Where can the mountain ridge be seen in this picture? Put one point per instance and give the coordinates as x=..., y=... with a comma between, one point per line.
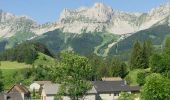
x=99, y=26
x=98, y=18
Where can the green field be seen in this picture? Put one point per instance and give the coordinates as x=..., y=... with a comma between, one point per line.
x=13, y=65
x=133, y=75
x=13, y=71
x=10, y=70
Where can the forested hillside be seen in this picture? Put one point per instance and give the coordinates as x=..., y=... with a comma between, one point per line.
x=26, y=52
x=85, y=43
x=156, y=35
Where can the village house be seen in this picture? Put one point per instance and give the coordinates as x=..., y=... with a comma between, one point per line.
x=49, y=91
x=110, y=90
x=38, y=84
x=101, y=90
x=17, y=92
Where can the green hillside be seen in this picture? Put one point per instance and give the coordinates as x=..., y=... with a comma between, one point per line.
x=45, y=60
x=85, y=43
x=26, y=52
x=13, y=71
x=156, y=34
x=19, y=37
x=13, y=65
x=10, y=72
x=88, y=43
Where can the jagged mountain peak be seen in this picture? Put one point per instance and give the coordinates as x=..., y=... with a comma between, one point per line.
x=97, y=18
x=103, y=18
x=4, y=16
x=101, y=6
x=162, y=10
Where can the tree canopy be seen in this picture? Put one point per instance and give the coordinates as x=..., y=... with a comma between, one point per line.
x=75, y=74
x=140, y=55
x=157, y=87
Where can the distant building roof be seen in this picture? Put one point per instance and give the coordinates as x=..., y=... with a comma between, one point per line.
x=111, y=79
x=112, y=86
x=17, y=88
x=51, y=89
x=43, y=82
x=135, y=88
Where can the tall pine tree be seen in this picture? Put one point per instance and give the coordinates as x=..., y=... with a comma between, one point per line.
x=144, y=60
x=140, y=55
x=136, y=55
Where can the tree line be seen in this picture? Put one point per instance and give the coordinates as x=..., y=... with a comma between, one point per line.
x=25, y=52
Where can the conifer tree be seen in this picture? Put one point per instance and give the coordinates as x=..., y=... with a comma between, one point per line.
x=144, y=60
x=136, y=55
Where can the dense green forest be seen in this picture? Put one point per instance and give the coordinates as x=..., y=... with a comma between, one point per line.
x=25, y=52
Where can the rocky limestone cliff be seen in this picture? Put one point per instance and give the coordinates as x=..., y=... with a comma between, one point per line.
x=102, y=18
x=10, y=24
x=98, y=18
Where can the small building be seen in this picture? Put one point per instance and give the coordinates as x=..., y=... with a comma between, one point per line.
x=35, y=86
x=49, y=91
x=101, y=90
x=43, y=82
x=110, y=90
x=38, y=84
x=17, y=92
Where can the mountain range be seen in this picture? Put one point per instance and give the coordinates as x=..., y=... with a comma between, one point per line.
x=98, y=29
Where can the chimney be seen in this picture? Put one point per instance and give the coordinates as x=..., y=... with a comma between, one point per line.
x=125, y=82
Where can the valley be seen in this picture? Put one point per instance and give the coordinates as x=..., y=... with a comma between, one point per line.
x=91, y=52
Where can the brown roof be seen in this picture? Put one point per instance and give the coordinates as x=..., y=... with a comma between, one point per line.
x=19, y=88
x=43, y=82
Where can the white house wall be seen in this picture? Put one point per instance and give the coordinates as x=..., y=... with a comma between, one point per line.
x=90, y=97
x=50, y=98
x=87, y=97
x=34, y=86
x=107, y=96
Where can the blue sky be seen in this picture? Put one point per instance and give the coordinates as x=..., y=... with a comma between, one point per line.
x=49, y=10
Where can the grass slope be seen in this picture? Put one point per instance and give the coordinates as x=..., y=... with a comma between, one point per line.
x=44, y=60
x=107, y=38
x=9, y=69
x=13, y=65
x=133, y=75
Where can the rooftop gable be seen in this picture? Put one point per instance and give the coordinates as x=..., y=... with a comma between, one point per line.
x=19, y=88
